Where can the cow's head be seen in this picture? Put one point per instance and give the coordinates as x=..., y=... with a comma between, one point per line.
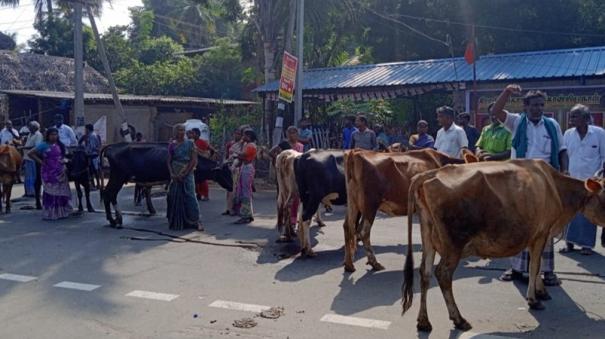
x=594, y=209
x=78, y=161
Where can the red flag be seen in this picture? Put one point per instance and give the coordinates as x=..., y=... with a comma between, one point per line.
x=469, y=54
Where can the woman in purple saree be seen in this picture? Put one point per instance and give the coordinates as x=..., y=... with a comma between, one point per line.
x=56, y=198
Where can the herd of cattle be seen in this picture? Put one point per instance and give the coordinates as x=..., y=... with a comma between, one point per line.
x=466, y=208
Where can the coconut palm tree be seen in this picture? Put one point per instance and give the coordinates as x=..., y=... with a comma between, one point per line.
x=46, y=8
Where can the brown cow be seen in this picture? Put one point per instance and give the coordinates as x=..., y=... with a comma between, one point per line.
x=10, y=167
x=491, y=210
x=379, y=181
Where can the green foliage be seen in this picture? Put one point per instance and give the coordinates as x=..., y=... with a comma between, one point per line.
x=120, y=52
x=227, y=121
x=378, y=111
x=158, y=50
x=162, y=78
x=55, y=37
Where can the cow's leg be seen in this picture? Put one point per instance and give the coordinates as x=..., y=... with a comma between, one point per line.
x=349, y=227
x=38, y=186
x=366, y=229
x=2, y=189
x=426, y=268
x=535, y=258
x=8, y=189
x=87, y=188
x=309, y=208
x=110, y=194
x=147, y=192
x=79, y=192
x=445, y=272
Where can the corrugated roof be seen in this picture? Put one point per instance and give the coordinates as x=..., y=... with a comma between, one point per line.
x=512, y=66
x=128, y=98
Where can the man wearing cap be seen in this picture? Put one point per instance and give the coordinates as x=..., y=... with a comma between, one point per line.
x=495, y=140
x=451, y=138
x=423, y=139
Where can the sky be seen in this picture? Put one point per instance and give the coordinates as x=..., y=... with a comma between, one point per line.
x=20, y=19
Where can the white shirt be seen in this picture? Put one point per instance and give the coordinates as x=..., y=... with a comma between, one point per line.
x=451, y=141
x=538, y=140
x=586, y=156
x=6, y=137
x=67, y=136
x=33, y=141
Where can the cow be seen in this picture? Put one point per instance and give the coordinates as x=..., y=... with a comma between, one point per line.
x=10, y=167
x=287, y=191
x=320, y=178
x=379, y=182
x=491, y=210
x=145, y=164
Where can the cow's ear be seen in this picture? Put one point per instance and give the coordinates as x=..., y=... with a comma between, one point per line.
x=470, y=158
x=593, y=186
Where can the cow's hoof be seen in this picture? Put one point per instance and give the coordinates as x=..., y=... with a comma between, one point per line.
x=536, y=305
x=463, y=325
x=424, y=326
x=309, y=253
x=152, y=214
x=8, y=211
x=376, y=266
x=543, y=295
x=349, y=268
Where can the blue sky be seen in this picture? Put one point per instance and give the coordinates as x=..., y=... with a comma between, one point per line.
x=20, y=20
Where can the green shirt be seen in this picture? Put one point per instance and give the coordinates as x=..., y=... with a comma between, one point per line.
x=495, y=139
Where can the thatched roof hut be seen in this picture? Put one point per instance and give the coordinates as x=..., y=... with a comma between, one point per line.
x=27, y=71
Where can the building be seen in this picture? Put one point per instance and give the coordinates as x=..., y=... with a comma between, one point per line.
x=38, y=87
x=569, y=76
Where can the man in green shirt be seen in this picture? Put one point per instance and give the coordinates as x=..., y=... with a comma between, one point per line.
x=495, y=140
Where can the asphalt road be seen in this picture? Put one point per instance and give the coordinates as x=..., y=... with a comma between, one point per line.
x=81, y=279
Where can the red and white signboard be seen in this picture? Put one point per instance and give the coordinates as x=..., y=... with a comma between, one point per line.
x=288, y=77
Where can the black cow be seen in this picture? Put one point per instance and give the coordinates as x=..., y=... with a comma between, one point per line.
x=320, y=178
x=145, y=164
x=78, y=171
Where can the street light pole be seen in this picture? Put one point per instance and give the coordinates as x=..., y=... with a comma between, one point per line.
x=79, y=65
x=298, y=106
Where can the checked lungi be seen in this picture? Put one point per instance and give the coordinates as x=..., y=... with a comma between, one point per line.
x=581, y=232
x=520, y=262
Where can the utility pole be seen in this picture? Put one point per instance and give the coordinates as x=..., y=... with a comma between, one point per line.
x=298, y=106
x=79, y=65
x=112, y=84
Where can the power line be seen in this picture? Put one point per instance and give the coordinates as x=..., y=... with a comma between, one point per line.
x=386, y=17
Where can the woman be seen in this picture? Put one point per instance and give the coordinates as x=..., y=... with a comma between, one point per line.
x=243, y=190
x=56, y=199
x=233, y=149
x=183, y=210
x=31, y=168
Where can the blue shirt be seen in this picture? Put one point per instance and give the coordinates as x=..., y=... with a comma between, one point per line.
x=347, y=133
x=306, y=133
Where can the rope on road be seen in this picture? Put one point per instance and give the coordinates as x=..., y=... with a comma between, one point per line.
x=557, y=272
x=179, y=239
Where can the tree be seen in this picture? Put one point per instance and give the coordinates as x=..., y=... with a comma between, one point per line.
x=45, y=9
x=120, y=52
x=160, y=49
x=55, y=37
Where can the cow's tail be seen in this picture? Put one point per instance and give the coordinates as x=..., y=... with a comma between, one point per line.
x=407, y=288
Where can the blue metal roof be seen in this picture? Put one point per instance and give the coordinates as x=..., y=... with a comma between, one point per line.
x=512, y=66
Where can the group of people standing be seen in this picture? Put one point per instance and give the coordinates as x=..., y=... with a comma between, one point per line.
x=45, y=159
x=184, y=192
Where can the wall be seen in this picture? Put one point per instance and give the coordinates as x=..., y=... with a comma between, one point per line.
x=141, y=117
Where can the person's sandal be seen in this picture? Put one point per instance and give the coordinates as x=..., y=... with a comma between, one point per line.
x=242, y=221
x=510, y=275
x=227, y=212
x=551, y=279
x=586, y=251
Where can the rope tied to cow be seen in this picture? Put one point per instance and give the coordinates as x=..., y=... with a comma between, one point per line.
x=179, y=239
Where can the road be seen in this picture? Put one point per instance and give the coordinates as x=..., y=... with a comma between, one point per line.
x=81, y=279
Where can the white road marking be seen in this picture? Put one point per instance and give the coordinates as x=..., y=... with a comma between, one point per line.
x=231, y=305
x=471, y=335
x=77, y=286
x=152, y=295
x=17, y=277
x=354, y=321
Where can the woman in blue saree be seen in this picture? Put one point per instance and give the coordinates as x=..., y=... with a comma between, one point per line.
x=183, y=210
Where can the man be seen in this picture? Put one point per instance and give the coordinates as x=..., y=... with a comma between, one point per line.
x=586, y=150
x=24, y=132
x=472, y=134
x=451, y=138
x=495, y=140
x=423, y=139
x=9, y=135
x=364, y=137
x=347, y=132
x=305, y=134
x=381, y=137
x=92, y=147
x=66, y=134
x=534, y=137
x=206, y=150
x=31, y=168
